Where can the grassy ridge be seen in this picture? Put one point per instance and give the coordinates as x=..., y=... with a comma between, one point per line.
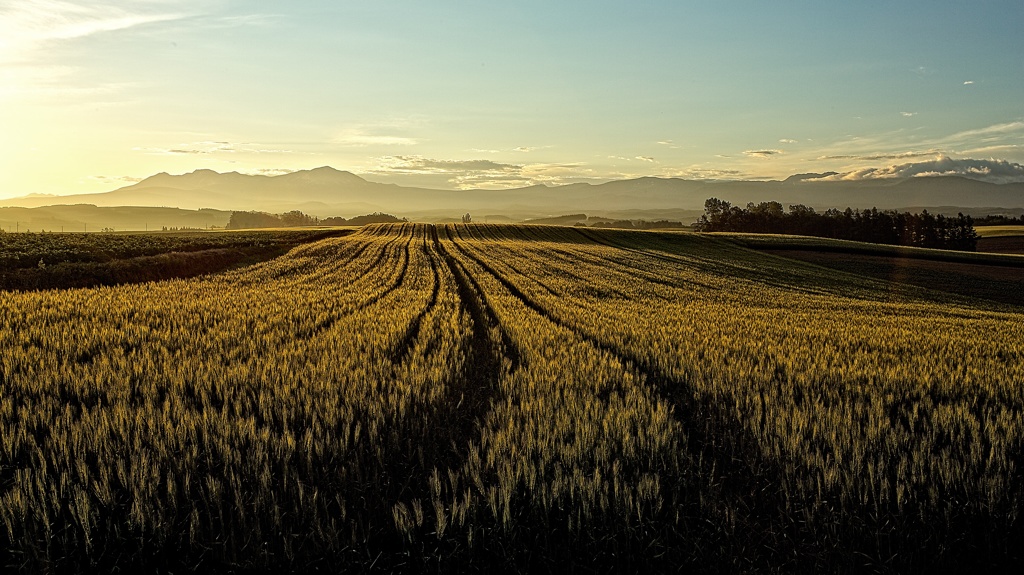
x=805, y=243
x=511, y=398
x=49, y=261
x=989, y=276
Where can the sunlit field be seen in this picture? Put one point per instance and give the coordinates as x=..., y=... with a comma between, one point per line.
x=513, y=398
x=1000, y=231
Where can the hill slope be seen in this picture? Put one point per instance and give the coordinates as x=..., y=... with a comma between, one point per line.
x=326, y=191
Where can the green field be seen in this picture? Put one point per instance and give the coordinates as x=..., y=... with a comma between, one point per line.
x=517, y=398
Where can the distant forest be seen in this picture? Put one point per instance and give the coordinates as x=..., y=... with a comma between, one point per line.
x=1000, y=220
x=295, y=218
x=881, y=227
x=638, y=224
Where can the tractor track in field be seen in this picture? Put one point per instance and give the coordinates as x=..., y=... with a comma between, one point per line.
x=469, y=396
x=401, y=352
x=474, y=301
x=580, y=237
x=327, y=272
x=395, y=283
x=595, y=239
x=327, y=323
x=570, y=257
x=702, y=420
x=528, y=301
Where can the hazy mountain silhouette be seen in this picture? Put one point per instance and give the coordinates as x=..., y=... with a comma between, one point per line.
x=327, y=192
x=90, y=218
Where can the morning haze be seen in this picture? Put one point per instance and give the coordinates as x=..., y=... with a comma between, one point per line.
x=492, y=95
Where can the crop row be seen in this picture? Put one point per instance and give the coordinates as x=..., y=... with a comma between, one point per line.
x=519, y=397
x=857, y=425
x=25, y=250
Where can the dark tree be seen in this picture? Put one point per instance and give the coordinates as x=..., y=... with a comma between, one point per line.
x=886, y=227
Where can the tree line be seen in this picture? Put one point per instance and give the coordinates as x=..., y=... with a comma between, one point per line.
x=638, y=224
x=924, y=230
x=1000, y=220
x=295, y=218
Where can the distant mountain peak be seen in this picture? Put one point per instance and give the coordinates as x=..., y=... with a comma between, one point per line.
x=322, y=176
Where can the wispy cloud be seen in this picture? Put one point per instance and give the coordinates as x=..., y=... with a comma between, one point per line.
x=989, y=131
x=669, y=144
x=249, y=20
x=27, y=25
x=908, y=114
x=115, y=179
x=647, y=159
x=29, y=29
x=705, y=173
x=997, y=149
x=488, y=174
x=968, y=82
x=788, y=141
x=762, y=153
x=877, y=157
x=418, y=164
x=462, y=174
x=360, y=138
x=565, y=173
x=528, y=149
x=271, y=171
x=904, y=144
x=386, y=132
x=214, y=147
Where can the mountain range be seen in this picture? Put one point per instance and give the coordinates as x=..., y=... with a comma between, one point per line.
x=329, y=192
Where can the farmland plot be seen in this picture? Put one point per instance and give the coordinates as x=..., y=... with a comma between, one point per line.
x=520, y=397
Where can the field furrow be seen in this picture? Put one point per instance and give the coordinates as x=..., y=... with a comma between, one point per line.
x=511, y=398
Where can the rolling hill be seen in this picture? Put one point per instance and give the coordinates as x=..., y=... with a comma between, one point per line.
x=326, y=192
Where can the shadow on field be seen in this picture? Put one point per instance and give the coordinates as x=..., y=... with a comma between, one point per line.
x=1003, y=284
x=148, y=268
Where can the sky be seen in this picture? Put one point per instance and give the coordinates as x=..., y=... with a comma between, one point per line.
x=95, y=95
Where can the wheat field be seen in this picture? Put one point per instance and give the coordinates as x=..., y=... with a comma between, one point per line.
x=511, y=398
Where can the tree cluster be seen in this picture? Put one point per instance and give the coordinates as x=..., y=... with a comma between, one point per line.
x=882, y=227
x=374, y=218
x=1000, y=220
x=295, y=218
x=638, y=224
x=242, y=220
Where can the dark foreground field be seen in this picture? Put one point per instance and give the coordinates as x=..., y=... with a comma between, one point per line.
x=512, y=399
x=1002, y=245
x=34, y=261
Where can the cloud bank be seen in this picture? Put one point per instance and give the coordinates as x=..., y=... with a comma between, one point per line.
x=993, y=171
x=486, y=174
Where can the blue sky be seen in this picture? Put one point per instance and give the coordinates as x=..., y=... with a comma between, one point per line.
x=95, y=95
